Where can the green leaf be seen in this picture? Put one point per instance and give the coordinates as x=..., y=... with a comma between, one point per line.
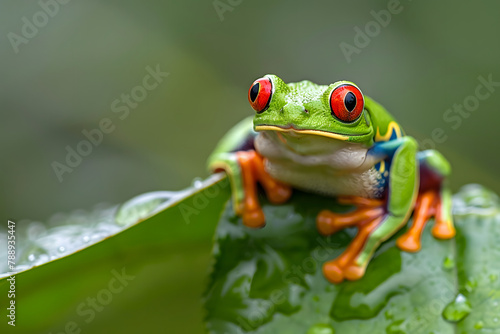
x=270, y=280
x=263, y=281
x=117, y=268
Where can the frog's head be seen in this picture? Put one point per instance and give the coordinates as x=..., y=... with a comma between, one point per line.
x=335, y=111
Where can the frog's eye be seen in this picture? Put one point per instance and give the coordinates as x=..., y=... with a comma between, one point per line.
x=346, y=103
x=259, y=94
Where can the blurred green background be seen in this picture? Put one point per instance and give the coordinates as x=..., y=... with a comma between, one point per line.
x=65, y=78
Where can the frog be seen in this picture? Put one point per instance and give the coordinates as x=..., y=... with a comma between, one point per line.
x=334, y=141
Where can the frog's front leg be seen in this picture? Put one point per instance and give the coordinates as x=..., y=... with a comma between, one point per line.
x=252, y=172
x=376, y=220
x=245, y=168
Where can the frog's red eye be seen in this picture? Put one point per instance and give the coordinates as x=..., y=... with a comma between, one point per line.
x=346, y=103
x=259, y=94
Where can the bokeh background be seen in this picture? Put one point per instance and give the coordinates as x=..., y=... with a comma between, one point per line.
x=65, y=78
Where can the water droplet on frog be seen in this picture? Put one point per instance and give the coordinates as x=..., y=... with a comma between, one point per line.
x=479, y=325
x=197, y=182
x=457, y=309
x=61, y=249
x=448, y=263
x=31, y=257
x=321, y=329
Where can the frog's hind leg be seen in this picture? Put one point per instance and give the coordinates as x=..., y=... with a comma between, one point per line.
x=344, y=265
x=389, y=218
x=367, y=215
x=434, y=200
x=367, y=209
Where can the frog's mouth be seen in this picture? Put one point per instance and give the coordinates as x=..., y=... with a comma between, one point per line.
x=291, y=129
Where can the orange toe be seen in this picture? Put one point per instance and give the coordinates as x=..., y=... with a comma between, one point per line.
x=409, y=243
x=443, y=231
x=333, y=272
x=354, y=272
x=279, y=194
x=254, y=218
x=325, y=222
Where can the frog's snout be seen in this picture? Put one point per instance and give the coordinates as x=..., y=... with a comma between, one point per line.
x=295, y=112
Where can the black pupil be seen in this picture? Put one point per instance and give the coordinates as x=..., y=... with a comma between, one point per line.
x=254, y=91
x=350, y=101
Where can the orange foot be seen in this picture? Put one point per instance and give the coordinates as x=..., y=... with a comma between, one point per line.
x=253, y=171
x=366, y=217
x=428, y=204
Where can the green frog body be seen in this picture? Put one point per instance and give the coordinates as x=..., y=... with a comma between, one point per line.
x=335, y=141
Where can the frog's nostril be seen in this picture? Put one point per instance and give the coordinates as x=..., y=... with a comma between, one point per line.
x=306, y=111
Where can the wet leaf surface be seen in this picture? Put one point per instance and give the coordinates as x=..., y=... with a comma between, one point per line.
x=269, y=280
x=158, y=243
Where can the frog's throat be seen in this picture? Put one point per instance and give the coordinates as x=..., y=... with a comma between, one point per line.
x=304, y=131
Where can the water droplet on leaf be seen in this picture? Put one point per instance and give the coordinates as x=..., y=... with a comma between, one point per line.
x=42, y=259
x=197, y=182
x=35, y=230
x=321, y=329
x=448, y=263
x=457, y=309
x=471, y=284
x=142, y=206
x=395, y=328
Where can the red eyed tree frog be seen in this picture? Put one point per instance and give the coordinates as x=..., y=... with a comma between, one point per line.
x=335, y=141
